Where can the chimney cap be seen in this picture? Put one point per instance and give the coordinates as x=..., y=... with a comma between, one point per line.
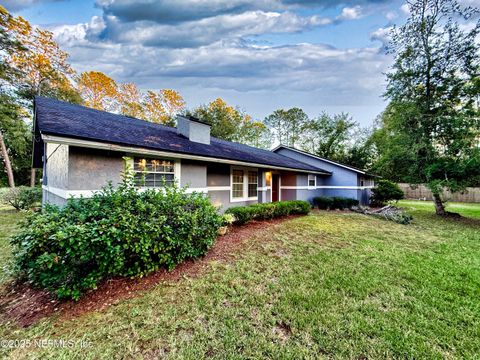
x=194, y=119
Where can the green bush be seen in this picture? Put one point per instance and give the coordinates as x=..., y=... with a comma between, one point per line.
x=117, y=232
x=22, y=197
x=265, y=211
x=323, y=202
x=385, y=191
x=336, y=202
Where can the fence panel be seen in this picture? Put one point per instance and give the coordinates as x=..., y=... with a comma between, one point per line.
x=421, y=192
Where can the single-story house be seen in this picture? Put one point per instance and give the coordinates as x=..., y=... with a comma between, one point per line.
x=81, y=150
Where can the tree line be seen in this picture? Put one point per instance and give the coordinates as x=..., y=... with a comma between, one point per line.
x=429, y=132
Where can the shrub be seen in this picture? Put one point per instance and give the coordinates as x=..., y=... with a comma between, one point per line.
x=386, y=191
x=264, y=211
x=323, y=202
x=22, y=197
x=336, y=202
x=117, y=232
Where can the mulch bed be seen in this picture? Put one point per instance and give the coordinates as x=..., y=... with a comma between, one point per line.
x=25, y=305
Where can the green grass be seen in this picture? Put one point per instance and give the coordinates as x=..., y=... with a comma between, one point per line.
x=328, y=285
x=9, y=219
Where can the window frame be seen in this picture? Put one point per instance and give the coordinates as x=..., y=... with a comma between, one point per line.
x=309, y=177
x=246, y=183
x=176, y=170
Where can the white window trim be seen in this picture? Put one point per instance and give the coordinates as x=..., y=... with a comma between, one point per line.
x=309, y=187
x=177, y=169
x=245, y=184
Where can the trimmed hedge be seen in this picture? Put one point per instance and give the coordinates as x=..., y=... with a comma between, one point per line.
x=336, y=202
x=264, y=211
x=117, y=232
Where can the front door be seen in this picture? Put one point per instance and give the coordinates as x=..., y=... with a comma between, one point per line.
x=275, y=187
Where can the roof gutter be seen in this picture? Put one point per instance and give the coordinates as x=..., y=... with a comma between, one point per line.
x=136, y=150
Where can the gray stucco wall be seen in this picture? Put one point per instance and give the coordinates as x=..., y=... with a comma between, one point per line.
x=56, y=174
x=90, y=169
x=48, y=197
x=219, y=175
x=193, y=174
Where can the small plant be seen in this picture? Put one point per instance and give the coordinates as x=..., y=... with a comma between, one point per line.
x=22, y=197
x=265, y=211
x=228, y=219
x=385, y=191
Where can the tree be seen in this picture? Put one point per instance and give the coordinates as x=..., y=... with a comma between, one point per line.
x=431, y=127
x=98, y=90
x=287, y=125
x=8, y=74
x=173, y=104
x=44, y=66
x=226, y=121
x=257, y=134
x=130, y=101
x=162, y=107
x=15, y=140
x=328, y=136
x=40, y=67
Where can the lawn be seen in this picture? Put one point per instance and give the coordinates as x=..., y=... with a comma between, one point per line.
x=327, y=285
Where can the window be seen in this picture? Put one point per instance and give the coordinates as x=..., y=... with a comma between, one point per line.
x=153, y=173
x=312, y=181
x=244, y=184
x=237, y=184
x=252, y=184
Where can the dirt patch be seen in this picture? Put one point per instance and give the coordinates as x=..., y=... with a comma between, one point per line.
x=25, y=305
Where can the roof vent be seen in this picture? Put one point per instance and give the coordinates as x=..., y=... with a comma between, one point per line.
x=193, y=129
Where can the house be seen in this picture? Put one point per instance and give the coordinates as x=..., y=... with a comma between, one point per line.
x=345, y=181
x=80, y=150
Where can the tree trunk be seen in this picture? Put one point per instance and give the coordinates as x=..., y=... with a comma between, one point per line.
x=6, y=160
x=439, y=207
x=32, y=177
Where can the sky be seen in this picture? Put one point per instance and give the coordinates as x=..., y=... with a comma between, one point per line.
x=260, y=55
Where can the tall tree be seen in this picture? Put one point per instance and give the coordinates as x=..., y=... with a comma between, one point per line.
x=173, y=104
x=328, y=136
x=287, y=125
x=9, y=46
x=431, y=125
x=98, y=90
x=257, y=134
x=226, y=120
x=130, y=101
x=42, y=68
x=44, y=65
x=15, y=141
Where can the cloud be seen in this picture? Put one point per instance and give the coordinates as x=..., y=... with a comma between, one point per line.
x=391, y=15
x=174, y=11
x=405, y=9
x=216, y=47
x=350, y=13
x=15, y=5
x=382, y=35
x=205, y=31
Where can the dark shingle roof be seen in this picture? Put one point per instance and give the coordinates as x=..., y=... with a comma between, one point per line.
x=55, y=117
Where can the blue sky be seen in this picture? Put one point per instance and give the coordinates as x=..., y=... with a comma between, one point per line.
x=259, y=55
